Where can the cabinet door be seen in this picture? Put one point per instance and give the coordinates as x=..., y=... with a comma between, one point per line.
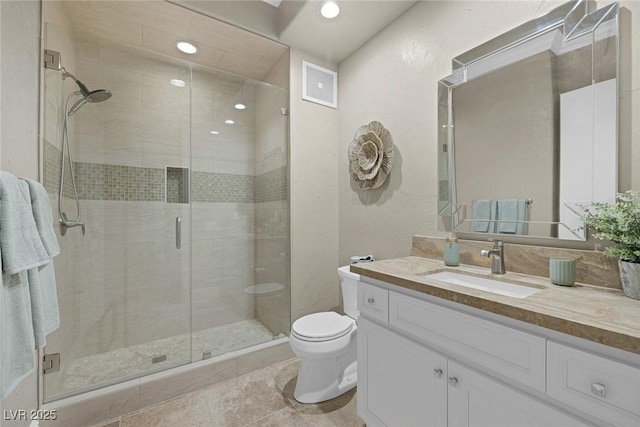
x=476, y=400
x=400, y=383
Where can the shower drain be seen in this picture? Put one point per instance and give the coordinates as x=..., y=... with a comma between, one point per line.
x=159, y=359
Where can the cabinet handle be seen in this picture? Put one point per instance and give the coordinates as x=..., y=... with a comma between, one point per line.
x=599, y=389
x=453, y=381
x=437, y=373
x=370, y=300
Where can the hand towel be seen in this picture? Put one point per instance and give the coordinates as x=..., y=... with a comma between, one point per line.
x=523, y=208
x=20, y=242
x=42, y=281
x=16, y=349
x=483, y=210
x=43, y=216
x=513, y=211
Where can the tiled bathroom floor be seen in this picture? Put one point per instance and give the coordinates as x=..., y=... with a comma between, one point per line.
x=261, y=398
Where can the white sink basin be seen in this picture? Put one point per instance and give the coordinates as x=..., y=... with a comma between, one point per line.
x=483, y=284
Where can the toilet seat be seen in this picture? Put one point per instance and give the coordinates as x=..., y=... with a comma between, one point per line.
x=324, y=326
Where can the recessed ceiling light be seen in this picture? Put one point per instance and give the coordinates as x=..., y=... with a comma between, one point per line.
x=229, y=122
x=239, y=106
x=214, y=132
x=330, y=9
x=186, y=47
x=177, y=83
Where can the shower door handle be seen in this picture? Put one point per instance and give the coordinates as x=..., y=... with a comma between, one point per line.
x=178, y=232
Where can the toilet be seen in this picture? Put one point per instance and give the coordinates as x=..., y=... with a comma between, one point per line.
x=326, y=345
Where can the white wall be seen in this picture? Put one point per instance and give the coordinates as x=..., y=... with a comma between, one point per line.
x=20, y=78
x=629, y=132
x=19, y=83
x=314, y=202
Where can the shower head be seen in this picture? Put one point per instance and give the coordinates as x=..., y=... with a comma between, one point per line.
x=98, y=95
x=93, y=96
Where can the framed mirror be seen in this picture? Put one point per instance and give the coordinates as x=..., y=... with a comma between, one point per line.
x=528, y=127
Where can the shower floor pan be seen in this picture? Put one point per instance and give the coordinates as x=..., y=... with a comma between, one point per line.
x=87, y=372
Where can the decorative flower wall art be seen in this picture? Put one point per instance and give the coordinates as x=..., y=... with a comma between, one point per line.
x=371, y=155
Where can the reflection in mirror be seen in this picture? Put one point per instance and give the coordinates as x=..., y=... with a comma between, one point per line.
x=528, y=127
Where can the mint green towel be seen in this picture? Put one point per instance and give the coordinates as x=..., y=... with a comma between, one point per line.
x=16, y=349
x=20, y=241
x=27, y=287
x=515, y=211
x=43, y=216
x=483, y=210
x=42, y=280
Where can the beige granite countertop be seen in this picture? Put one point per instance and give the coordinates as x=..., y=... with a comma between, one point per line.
x=594, y=313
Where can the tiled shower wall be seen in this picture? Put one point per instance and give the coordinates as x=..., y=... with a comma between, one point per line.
x=129, y=283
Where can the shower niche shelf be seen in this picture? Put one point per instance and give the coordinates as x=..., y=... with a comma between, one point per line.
x=177, y=187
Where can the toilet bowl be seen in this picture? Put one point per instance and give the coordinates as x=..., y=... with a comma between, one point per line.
x=327, y=347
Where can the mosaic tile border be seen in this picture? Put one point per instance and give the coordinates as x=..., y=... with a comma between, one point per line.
x=129, y=183
x=52, y=159
x=222, y=188
x=115, y=182
x=271, y=186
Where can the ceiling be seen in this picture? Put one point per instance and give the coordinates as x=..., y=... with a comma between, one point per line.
x=157, y=25
x=298, y=23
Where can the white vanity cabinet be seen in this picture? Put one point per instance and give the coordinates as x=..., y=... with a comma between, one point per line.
x=597, y=385
x=478, y=400
x=400, y=383
x=403, y=381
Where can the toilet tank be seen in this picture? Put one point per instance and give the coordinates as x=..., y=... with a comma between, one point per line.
x=349, y=285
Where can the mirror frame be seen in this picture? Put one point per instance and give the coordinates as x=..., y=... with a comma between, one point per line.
x=574, y=20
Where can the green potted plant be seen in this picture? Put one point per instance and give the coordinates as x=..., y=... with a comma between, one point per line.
x=619, y=222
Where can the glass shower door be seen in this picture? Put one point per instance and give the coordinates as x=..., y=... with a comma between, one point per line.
x=124, y=286
x=240, y=205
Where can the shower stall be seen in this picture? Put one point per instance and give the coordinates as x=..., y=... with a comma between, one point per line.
x=182, y=196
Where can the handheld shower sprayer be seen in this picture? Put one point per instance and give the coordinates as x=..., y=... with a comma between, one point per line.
x=86, y=95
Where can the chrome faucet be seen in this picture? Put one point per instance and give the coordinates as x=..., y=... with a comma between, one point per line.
x=497, y=263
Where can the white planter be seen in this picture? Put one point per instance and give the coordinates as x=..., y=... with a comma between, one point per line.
x=630, y=277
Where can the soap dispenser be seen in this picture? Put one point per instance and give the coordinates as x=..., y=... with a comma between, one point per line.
x=451, y=252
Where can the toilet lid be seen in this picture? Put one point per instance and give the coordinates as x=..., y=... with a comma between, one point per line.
x=322, y=326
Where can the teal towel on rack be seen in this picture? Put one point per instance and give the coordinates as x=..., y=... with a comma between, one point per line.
x=483, y=210
x=514, y=211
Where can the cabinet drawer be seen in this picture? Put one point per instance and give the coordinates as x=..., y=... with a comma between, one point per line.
x=518, y=355
x=373, y=302
x=604, y=388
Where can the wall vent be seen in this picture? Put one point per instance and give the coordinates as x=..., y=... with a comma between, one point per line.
x=319, y=85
